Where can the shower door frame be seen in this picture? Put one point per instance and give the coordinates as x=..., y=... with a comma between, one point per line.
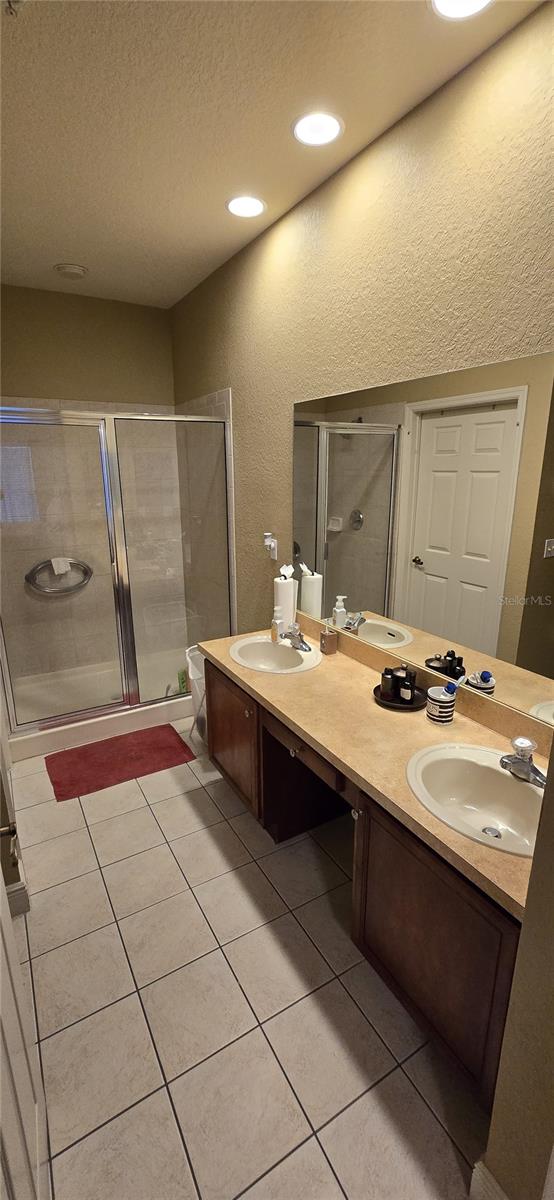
x=325, y=428
x=105, y=423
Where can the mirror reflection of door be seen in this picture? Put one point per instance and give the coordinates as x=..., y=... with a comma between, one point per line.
x=462, y=521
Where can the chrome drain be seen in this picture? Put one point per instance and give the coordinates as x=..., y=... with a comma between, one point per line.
x=491, y=831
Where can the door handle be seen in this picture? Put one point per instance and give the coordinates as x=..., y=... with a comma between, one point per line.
x=418, y=561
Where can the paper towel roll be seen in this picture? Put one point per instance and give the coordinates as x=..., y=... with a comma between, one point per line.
x=285, y=592
x=311, y=594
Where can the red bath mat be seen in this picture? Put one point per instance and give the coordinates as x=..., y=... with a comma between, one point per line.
x=115, y=760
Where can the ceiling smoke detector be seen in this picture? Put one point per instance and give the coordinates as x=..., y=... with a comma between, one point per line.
x=71, y=270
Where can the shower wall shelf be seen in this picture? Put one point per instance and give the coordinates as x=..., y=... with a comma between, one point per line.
x=33, y=577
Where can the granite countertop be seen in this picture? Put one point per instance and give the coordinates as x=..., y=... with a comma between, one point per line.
x=332, y=709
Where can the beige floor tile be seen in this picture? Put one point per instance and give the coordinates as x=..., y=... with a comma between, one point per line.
x=209, y=852
x=179, y=815
x=238, y=1116
x=301, y=872
x=32, y=789
x=59, y=860
x=337, y=838
x=388, y=1016
x=28, y=766
x=254, y=836
x=328, y=1050
x=172, y=782
x=97, y=1068
x=46, y=821
x=229, y=804
x=205, y=770
x=388, y=1144
x=195, y=1011
x=67, y=911
x=165, y=936
x=120, y=837
x=137, y=1156
x=28, y=1002
x=257, y=840
x=112, y=801
x=276, y=965
x=304, y=1175
x=451, y=1095
x=239, y=901
x=327, y=919
x=143, y=879
x=20, y=934
x=77, y=979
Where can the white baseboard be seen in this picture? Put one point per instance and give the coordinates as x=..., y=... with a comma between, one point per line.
x=484, y=1186
x=18, y=898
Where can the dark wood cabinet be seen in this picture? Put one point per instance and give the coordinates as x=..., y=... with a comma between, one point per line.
x=447, y=950
x=299, y=788
x=233, y=734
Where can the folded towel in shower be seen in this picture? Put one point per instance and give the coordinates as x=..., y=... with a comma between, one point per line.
x=60, y=566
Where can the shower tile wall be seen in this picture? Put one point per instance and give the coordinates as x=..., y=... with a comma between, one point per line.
x=53, y=505
x=359, y=478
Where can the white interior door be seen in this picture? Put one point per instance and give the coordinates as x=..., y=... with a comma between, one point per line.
x=462, y=521
x=24, y=1152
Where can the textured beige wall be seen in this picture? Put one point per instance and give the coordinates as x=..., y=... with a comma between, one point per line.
x=522, y=1129
x=56, y=346
x=427, y=253
x=537, y=373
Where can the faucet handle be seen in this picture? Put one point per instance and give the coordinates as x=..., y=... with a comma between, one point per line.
x=524, y=747
x=294, y=628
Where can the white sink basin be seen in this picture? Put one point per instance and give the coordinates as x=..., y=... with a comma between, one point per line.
x=384, y=633
x=544, y=711
x=261, y=654
x=466, y=787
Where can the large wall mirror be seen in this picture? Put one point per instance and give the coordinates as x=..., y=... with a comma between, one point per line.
x=429, y=504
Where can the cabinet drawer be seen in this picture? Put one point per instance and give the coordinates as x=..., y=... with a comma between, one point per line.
x=298, y=749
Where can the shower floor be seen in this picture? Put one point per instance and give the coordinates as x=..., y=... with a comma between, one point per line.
x=54, y=693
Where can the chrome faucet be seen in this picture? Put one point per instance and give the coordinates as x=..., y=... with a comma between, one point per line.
x=296, y=638
x=521, y=762
x=353, y=622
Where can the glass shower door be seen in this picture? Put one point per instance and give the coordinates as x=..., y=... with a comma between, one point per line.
x=173, y=482
x=58, y=604
x=356, y=515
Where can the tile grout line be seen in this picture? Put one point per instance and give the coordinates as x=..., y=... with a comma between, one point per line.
x=221, y=947
x=155, y=1048
x=41, y=1066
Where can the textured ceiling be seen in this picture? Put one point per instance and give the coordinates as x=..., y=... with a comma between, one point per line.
x=127, y=125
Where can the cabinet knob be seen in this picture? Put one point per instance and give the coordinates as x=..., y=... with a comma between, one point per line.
x=292, y=753
x=354, y=814
x=247, y=712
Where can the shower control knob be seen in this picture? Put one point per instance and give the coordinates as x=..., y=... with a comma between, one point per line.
x=418, y=561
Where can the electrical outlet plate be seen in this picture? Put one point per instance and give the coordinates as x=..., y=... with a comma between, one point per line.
x=549, y=548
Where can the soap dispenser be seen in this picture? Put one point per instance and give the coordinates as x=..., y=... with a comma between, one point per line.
x=339, y=613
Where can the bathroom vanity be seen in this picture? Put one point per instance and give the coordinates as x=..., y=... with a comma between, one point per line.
x=438, y=915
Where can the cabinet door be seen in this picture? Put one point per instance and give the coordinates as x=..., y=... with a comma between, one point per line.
x=446, y=947
x=233, y=734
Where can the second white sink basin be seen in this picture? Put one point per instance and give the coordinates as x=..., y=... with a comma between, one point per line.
x=384, y=633
x=544, y=711
x=466, y=787
x=261, y=654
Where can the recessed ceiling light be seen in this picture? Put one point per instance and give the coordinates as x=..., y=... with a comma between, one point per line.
x=245, y=206
x=458, y=10
x=317, y=129
x=71, y=270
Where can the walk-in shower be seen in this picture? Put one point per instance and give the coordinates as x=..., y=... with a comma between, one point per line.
x=116, y=556
x=344, y=490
